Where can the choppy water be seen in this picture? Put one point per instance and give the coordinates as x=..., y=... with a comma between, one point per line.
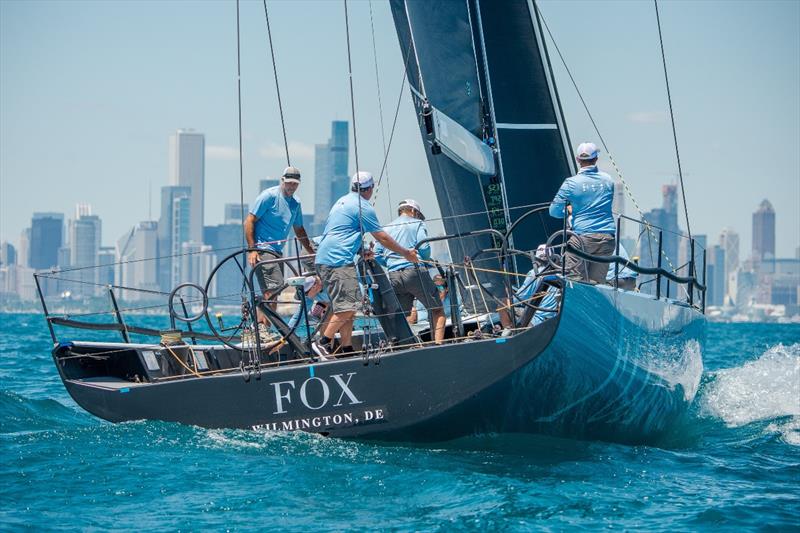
x=735, y=463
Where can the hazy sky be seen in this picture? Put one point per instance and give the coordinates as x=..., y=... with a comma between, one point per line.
x=91, y=91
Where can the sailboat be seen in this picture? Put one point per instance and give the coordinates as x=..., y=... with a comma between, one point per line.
x=605, y=363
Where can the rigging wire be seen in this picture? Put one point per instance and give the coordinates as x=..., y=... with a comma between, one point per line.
x=239, y=108
x=380, y=106
x=277, y=85
x=391, y=133
x=672, y=118
x=355, y=136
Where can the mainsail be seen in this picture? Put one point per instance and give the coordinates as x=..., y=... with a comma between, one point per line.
x=480, y=72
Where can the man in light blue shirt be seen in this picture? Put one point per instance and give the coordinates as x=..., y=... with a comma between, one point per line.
x=273, y=213
x=350, y=217
x=589, y=195
x=408, y=281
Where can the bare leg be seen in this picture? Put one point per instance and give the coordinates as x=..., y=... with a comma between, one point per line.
x=438, y=321
x=262, y=318
x=341, y=322
x=505, y=315
x=346, y=331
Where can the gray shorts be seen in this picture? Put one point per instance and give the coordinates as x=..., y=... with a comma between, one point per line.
x=416, y=283
x=601, y=244
x=270, y=276
x=341, y=284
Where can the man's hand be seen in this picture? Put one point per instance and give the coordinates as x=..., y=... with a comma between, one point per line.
x=411, y=255
x=252, y=258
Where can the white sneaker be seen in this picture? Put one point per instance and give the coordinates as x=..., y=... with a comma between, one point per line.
x=320, y=350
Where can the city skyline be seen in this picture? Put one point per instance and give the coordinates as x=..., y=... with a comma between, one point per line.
x=111, y=89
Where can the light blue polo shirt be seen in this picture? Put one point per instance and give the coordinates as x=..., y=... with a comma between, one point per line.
x=275, y=215
x=341, y=239
x=407, y=231
x=591, y=193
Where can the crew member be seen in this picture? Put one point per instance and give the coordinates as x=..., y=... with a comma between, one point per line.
x=266, y=227
x=589, y=193
x=626, y=277
x=409, y=281
x=350, y=217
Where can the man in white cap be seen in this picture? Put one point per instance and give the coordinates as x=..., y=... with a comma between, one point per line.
x=350, y=217
x=589, y=195
x=410, y=282
x=274, y=212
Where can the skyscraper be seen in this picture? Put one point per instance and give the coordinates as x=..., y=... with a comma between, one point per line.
x=181, y=230
x=729, y=241
x=233, y=213
x=137, y=267
x=165, y=233
x=224, y=239
x=84, y=244
x=187, y=169
x=24, y=250
x=331, y=179
x=47, y=231
x=106, y=259
x=764, y=232
x=716, y=276
x=8, y=254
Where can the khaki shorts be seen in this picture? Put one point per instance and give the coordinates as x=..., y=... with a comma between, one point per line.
x=416, y=283
x=270, y=276
x=600, y=244
x=341, y=284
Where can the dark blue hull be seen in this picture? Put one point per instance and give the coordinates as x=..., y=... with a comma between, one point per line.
x=612, y=365
x=621, y=366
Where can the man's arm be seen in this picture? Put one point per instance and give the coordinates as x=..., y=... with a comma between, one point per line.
x=388, y=242
x=250, y=235
x=559, y=203
x=301, y=234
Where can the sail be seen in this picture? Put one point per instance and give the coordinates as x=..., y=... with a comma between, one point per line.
x=484, y=66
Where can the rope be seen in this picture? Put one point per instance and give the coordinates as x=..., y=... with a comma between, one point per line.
x=239, y=108
x=178, y=359
x=672, y=118
x=277, y=86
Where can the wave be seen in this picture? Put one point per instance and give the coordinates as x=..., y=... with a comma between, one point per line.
x=765, y=389
x=21, y=414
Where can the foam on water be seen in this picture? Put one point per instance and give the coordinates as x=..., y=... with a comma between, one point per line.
x=677, y=366
x=763, y=389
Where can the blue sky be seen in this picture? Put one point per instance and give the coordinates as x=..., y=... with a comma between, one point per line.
x=91, y=91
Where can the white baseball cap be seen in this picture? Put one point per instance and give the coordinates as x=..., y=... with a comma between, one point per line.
x=291, y=174
x=412, y=204
x=586, y=151
x=309, y=282
x=363, y=179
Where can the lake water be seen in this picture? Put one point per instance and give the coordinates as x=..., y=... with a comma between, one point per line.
x=735, y=463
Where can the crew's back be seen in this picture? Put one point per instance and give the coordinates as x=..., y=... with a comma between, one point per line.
x=589, y=195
